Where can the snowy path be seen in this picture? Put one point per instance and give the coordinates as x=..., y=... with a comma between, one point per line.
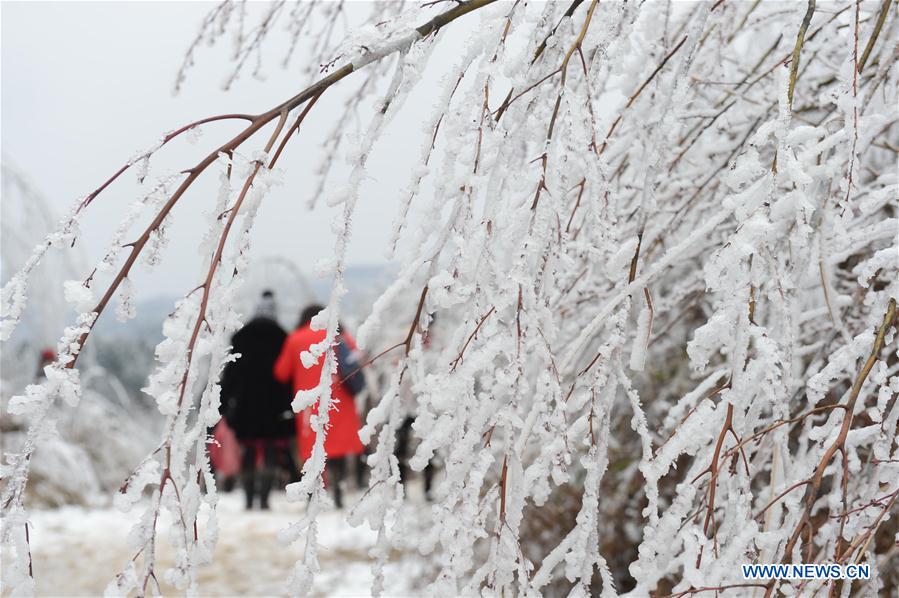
x=77, y=551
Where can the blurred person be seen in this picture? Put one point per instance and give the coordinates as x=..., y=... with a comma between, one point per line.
x=47, y=357
x=405, y=442
x=342, y=439
x=256, y=405
x=224, y=455
x=404, y=452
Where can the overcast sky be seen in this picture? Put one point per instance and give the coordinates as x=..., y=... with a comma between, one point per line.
x=87, y=85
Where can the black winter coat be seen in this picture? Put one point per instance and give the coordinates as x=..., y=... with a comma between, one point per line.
x=255, y=405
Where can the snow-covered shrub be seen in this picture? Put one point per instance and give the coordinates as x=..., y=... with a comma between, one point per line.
x=665, y=237
x=83, y=458
x=25, y=222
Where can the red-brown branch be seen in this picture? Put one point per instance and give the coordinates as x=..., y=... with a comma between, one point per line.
x=170, y=136
x=814, y=483
x=471, y=336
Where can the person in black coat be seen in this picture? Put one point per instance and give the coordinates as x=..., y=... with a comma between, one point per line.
x=255, y=405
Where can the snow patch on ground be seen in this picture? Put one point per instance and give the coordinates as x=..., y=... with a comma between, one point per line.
x=77, y=550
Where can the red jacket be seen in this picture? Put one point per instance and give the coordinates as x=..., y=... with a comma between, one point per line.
x=342, y=436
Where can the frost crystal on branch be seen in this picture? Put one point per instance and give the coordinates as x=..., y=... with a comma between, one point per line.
x=645, y=314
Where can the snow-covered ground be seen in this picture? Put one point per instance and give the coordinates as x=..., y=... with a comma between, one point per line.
x=77, y=551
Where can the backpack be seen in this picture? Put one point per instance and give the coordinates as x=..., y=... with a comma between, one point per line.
x=348, y=368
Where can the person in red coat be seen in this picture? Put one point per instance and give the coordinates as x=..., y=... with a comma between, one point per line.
x=342, y=438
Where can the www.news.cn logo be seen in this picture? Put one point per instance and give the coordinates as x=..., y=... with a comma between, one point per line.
x=807, y=571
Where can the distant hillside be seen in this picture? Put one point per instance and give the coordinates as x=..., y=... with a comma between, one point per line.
x=126, y=348
x=364, y=284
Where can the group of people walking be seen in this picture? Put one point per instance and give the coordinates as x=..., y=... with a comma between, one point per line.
x=257, y=390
